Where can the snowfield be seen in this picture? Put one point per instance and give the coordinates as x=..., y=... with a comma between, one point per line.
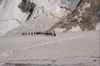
x=69, y=44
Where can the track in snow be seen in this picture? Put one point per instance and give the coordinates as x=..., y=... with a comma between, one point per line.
x=44, y=47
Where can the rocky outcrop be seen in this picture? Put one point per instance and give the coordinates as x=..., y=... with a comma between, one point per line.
x=90, y=17
x=25, y=6
x=86, y=16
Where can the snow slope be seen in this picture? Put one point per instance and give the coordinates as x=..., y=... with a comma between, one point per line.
x=68, y=44
x=10, y=16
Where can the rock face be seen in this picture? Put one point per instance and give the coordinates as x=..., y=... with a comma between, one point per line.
x=25, y=6
x=86, y=16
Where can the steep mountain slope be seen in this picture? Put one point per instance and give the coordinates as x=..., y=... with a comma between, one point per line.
x=48, y=15
x=44, y=15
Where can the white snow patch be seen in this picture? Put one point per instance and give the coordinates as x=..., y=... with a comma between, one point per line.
x=79, y=19
x=59, y=30
x=98, y=26
x=86, y=5
x=74, y=29
x=81, y=12
x=76, y=17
